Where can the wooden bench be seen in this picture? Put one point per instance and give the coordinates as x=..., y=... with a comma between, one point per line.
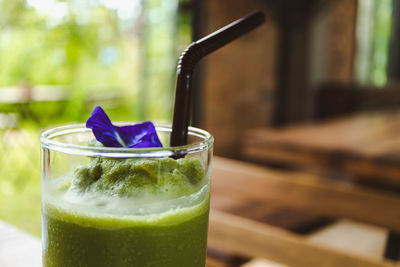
x=237, y=183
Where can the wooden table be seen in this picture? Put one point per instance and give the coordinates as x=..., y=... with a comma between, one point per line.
x=365, y=147
x=242, y=194
x=241, y=197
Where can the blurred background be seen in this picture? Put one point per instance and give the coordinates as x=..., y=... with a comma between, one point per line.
x=312, y=62
x=59, y=59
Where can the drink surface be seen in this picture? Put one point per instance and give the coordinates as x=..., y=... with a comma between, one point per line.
x=134, y=212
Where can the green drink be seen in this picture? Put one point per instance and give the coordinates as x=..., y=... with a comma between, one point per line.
x=124, y=207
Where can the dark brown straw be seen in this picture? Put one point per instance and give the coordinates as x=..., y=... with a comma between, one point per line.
x=192, y=54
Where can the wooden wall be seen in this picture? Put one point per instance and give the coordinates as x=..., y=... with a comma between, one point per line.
x=341, y=41
x=239, y=78
x=239, y=81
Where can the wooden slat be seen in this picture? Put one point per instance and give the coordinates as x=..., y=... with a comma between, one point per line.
x=275, y=152
x=259, y=262
x=352, y=237
x=271, y=213
x=384, y=173
x=211, y=262
x=255, y=239
x=252, y=183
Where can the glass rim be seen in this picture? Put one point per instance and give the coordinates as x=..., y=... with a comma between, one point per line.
x=47, y=136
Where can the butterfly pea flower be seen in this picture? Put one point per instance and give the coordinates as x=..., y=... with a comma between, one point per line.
x=139, y=135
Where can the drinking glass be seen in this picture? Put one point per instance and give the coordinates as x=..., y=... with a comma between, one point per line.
x=106, y=206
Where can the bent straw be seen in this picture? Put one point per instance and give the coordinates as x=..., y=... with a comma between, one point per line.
x=187, y=61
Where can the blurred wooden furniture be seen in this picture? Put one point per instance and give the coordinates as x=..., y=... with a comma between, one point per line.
x=365, y=147
x=242, y=193
x=334, y=99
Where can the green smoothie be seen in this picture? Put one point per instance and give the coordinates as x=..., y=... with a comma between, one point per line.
x=127, y=212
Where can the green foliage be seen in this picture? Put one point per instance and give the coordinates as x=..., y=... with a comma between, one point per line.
x=125, y=65
x=20, y=179
x=382, y=31
x=35, y=51
x=93, y=52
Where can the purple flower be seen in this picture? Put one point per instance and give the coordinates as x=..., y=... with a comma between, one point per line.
x=137, y=135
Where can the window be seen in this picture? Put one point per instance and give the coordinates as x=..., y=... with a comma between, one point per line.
x=58, y=59
x=373, y=36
